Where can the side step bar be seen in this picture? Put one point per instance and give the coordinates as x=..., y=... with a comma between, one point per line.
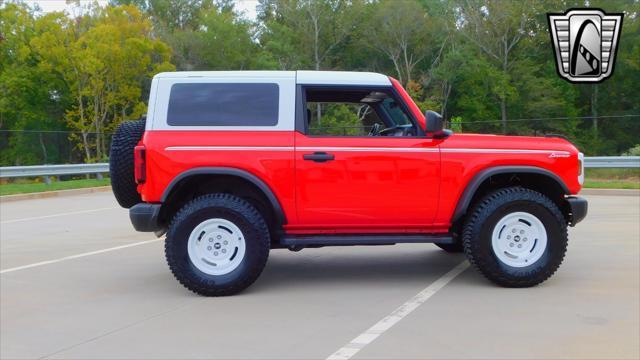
x=344, y=240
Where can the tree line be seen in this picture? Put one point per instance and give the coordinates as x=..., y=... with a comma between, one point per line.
x=486, y=66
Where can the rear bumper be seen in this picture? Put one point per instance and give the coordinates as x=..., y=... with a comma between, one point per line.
x=577, y=209
x=144, y=217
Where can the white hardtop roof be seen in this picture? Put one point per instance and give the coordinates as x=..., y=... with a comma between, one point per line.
x=301, y=76
x=341, y=78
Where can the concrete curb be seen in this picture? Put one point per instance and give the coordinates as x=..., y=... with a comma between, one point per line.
x=611, y=192
x=50, y=194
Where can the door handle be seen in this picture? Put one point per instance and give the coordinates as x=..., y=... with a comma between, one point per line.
x=319, y=156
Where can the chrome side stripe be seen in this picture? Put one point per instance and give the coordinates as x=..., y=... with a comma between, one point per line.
x=556, y=153
x=503, y=151
x=358, y=149
x=229, y=148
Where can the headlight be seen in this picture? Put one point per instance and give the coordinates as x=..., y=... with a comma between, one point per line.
x=581, y=168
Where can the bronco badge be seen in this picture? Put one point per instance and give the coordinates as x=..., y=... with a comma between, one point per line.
x=585, y=43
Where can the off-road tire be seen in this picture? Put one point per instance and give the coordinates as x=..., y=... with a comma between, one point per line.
x=456, y=247
x=121, y=169
x=487, y=212
x=234, y=209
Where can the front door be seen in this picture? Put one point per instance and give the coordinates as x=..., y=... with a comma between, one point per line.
x=361, y=164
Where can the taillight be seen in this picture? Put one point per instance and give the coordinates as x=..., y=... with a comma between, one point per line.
x=139, y=166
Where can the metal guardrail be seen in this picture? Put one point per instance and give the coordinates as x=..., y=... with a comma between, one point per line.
x=53, y=170
x=612, y=162
x=99, y=168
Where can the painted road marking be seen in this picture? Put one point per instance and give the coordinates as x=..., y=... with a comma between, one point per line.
x=78, y=256
x=56, y=215
x=367, y=337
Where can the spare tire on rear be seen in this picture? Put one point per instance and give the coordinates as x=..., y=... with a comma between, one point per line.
x=121, y=164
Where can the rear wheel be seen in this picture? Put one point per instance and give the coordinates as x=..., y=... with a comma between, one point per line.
x=217, y=245
x=516, y=237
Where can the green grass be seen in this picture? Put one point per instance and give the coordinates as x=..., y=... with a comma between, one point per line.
x=33, y=187
x=613, y=173
x=612, y=178
x=611, y=184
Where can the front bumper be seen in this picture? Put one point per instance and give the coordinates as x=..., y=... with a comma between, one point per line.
x=144, y=217
x=577, y=209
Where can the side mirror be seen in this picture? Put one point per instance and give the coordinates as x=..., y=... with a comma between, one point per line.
x=434, y=122
x=435, y=125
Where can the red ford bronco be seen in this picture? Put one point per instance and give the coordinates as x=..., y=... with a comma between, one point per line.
x=233, y=164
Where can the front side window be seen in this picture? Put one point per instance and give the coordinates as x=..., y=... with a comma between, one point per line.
x=355, y=112
x=216, y=104
x=346, y=119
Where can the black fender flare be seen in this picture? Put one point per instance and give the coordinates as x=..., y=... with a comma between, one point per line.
x=280, y=216
x=480, y=177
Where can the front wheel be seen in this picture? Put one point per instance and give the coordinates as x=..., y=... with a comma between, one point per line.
x=217, y=245
x=516, y=237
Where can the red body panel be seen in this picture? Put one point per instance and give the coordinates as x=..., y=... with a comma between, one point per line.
x=374, y=184
x=264, y=158
x=460, y=166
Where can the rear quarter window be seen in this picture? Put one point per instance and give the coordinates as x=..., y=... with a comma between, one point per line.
x=217, y=104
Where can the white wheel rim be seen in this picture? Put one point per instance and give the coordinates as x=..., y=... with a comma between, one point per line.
x=216, y=246
x=519, y=239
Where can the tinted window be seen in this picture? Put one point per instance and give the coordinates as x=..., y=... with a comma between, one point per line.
x=223, y=105
x=355, y=112
x=347, y=119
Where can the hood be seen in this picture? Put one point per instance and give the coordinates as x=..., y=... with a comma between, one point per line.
x=484, y=141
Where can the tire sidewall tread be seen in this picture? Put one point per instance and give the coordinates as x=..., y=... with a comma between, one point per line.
x=479, y=225
x=243, y=215
x=121, y=162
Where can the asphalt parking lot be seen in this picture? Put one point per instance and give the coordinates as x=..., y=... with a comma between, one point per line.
x=78, y=282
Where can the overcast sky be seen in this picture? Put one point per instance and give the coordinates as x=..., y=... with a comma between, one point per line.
x=248, y=7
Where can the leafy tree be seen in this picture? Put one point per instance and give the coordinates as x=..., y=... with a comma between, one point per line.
x=634, y=151
x=496, y=28
x=31, y=99
x=103, y=57
x=405, y=34
x=313, y=30
x=225, y=41
x=204, y=34
x=338, y=119
x=172, y=15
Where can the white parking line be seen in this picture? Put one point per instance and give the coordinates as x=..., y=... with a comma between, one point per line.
x=78, y=256
x=364, y=339
x=56, y=215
